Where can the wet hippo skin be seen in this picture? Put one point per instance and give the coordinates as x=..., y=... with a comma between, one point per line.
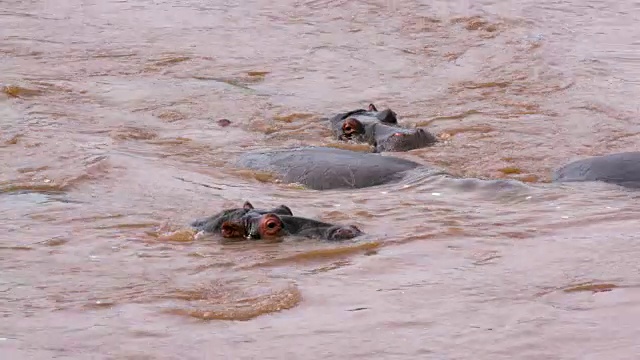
x=379, y=129
x=323, y=168
x=621, y=169
x=251, y=223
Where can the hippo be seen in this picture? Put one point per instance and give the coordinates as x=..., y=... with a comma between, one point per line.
x=621, y=169
x=251, y=223
x=324, y=168
x=379, y=129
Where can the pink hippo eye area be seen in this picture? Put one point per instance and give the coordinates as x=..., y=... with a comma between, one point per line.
x=270, y=225
x=398, y=134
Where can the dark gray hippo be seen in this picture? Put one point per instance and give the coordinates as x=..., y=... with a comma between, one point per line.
x=379, y=129
x=251, y=223
x=324, y=168
x=621, y=169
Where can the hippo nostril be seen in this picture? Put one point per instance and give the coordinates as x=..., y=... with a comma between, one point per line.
x=351, y=127
x=398, y=134
x=345, y=233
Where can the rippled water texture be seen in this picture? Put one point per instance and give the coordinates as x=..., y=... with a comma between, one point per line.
x=118, y=120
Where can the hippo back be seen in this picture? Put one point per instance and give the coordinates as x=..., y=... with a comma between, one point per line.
x=323, y=168
x=621, y=169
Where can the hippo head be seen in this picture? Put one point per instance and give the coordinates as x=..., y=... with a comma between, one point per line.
x=213, y=224
x=380, y=129
x=251, y=223
x=400, y=139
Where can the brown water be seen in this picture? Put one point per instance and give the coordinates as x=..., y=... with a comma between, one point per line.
x=109, y=133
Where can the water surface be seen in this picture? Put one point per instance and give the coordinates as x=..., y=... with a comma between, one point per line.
x=110, y=140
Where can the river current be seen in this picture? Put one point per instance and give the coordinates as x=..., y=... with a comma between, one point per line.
x=111, y=143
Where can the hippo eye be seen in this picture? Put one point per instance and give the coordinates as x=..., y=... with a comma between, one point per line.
x=270, y=225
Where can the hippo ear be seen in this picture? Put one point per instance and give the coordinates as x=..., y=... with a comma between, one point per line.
x=283, y=209
x=372, y=107
x=387, y=116
x=247, y=206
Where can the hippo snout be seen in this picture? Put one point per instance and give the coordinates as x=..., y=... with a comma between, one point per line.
x=338, y=233
x=405, y=140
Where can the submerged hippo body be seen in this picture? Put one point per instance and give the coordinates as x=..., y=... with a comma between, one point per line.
x=251, y=223
x=379, y=129
x=323, y=168
x=621, y=169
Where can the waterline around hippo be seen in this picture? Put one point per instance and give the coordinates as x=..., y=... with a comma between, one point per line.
x=251, y=223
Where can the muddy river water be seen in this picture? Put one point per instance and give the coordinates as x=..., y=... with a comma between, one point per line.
x=110, y=144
